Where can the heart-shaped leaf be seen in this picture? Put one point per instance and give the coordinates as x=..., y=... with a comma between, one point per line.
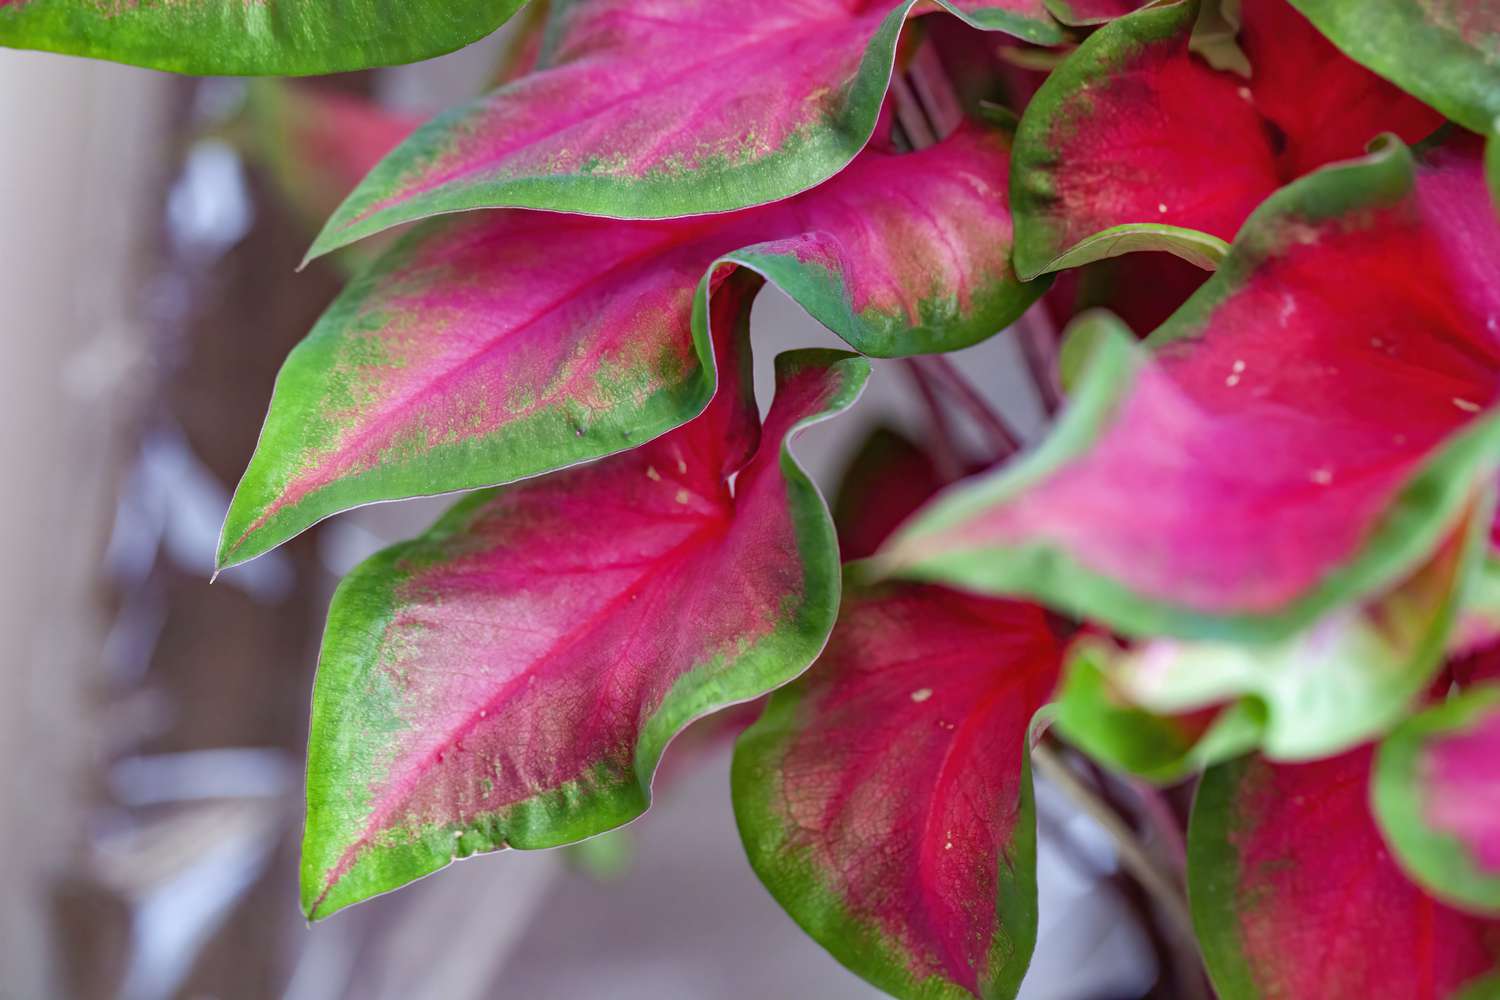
x=488, y=348
x=1295, y=895
x=250, y=37
x=680, y=109
x=1437, y=797
x=1447, y=53
x=1136, y=143
x=885, y=797
x=1303, y=433
x=511, y=678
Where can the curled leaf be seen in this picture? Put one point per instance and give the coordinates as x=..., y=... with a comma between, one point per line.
x=495, y=346
x=1114, y=154
x=1344, y=680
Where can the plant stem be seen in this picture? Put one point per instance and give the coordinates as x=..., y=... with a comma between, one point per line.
x=1162, y=820
x=1005, y=440
x=1161, y=884
x=944, y=451
x=1038, y=340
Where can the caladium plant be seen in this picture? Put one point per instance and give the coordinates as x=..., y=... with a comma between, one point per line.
x=1252, y=562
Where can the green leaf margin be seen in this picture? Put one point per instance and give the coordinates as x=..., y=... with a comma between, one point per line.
x=803, y=163
x=1416, y=521
x=1214, y=874
x=1394, y=39
x=1038, y=244
x=364, y=604
x=797, y=884
x=476, y=463
x=1439, y=861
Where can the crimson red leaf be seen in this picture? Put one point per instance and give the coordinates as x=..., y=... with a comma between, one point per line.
x=887, y=479
x=885, y=797
x=1447, y=53
x=1323, y=105
x=1305, y=431
x=1137, y=143
x=1295, y=895
x=499, y=345
x=511, y=678
x=1143, y=289
x=664, y=111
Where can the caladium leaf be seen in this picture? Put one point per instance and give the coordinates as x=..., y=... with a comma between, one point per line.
x=236, y=38
x=1344, y=680
x=1136, y=143
x=885, y=797
x=482, y=688
x=1304, y=432
x=1294, y=894
x=1437, y=797
x=679, y=109
x=499, y=345
x=1448, y=54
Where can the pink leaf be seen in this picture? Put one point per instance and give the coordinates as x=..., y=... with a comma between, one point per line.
x=499, y=345
x=1307, y=428
x=664, y=109
x=512, y=678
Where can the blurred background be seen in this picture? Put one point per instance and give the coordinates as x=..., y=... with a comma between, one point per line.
x=152, y=726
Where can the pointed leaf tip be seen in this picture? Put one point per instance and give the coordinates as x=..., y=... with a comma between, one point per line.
x=489, y=347
x=701, y=107
x=480, y=689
